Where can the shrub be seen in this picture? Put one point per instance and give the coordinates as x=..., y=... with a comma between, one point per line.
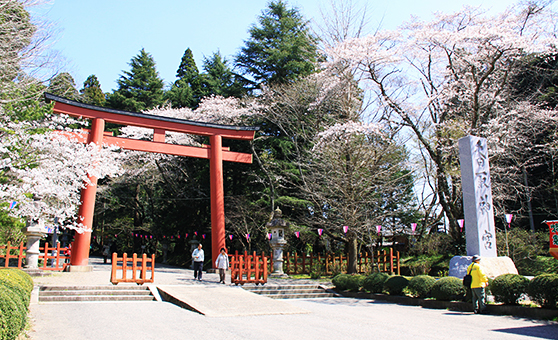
x=340, y=281
x=421, y=285
x=13, y=314
x=354, y=282
x=543, y=289
x=17, y=283
x=395, y=285
x=508, y=288
x=447, y=289
x=374, y=283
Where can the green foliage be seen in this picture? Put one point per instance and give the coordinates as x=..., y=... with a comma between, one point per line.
x=543, y=289
x=219, y=79
x=426, y=265
x=63, y=85
x=15, y=291
x=317, y=271
x=374, y=283
x=508, y=288
x=448, y=288
x=140, y=88
x=340, y=281
x=20, y=284
x=394, y=285
x=348, y=282
x=421, y=285
x=91, y=93
x=280, y=49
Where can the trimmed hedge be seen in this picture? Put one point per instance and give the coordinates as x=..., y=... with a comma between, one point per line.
x=394, y=285
x=374, y=283
x=508, y=288
x=543, y=289
x=347, y=282
x=15, y=292
x=421, y=285
x=448, y=288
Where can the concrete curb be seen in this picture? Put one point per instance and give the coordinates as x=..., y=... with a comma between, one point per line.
x=517, y=311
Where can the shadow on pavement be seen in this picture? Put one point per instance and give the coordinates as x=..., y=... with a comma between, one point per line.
x=540, y=331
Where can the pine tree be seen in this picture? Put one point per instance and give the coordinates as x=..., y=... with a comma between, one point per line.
x=139, y=89
x=91, y=92
x=63, y=85
x=280, y=49
x=187, y=89
x=219, y=79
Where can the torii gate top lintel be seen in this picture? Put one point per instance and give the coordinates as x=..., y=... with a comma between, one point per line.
x=215, y=152
x=77, y=109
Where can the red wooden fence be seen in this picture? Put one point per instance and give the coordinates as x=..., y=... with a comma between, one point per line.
x=248, y=269
x=387, y=262
x=136, y=277
x=8, y=252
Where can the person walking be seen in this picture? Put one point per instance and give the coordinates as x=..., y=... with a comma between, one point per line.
x=198, y=257
x=106, y=252
x=479, y=282
x=222, y=263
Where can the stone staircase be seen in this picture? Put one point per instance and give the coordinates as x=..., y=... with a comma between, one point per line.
x=94, y=293
x=294, y=291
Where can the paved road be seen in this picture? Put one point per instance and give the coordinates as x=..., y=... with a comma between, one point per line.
x=333, y=318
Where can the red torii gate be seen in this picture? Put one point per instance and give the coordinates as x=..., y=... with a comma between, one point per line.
x=214, y=152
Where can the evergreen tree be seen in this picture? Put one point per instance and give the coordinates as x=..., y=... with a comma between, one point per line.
x=280, y=49
x=63, y=85
x=219, y=79
x=187, y=89
x=140, y=88
x=91, y=92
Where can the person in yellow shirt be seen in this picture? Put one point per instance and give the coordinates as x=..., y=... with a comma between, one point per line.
x=479, y=282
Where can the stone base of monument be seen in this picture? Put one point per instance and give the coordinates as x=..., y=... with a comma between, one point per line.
x=278, y=275
x=491, y=266
x=87, y=268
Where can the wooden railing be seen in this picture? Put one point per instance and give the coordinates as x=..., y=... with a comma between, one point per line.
x=138, y=272
x=387, y=262
x=59, y=258
x=6, y=254
x=248, y=269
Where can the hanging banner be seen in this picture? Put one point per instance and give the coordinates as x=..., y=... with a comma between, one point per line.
x=553, y=229
x=378, y=229
x=13, y=204
x=186, y=236
x=345, y=229
x=297, y=233
x=269, y=235
x=230, y=237
x=413, y=227
x=203, y=236
x=460, y=222
x=247, y=237
x=320, y=232
x=509, y=218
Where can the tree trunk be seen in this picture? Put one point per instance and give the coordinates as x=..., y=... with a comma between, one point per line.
x=353, y=252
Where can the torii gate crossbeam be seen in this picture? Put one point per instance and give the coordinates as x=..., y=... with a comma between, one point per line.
x=214, y=152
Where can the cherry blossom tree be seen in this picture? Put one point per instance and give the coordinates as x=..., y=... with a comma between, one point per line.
x=444, y=79
x=44, y=171
x=358, y=177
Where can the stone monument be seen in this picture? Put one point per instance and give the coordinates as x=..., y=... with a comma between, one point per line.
x=34, y=232
x=278, y=227
x=480, y=232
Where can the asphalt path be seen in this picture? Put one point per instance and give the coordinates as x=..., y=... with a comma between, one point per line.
x=332, y=318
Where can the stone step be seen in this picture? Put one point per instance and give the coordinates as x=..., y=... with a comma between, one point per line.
x=105, y=287
x=91, y=298
x=94, y=293
x=304, y=291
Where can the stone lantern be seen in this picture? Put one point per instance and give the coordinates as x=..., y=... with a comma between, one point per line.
x=278, y=227
x=35, y=230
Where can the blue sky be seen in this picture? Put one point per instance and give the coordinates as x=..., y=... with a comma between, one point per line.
x=101, y=36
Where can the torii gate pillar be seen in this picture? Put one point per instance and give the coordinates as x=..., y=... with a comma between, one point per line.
x=80, y=247
x=217, y=197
